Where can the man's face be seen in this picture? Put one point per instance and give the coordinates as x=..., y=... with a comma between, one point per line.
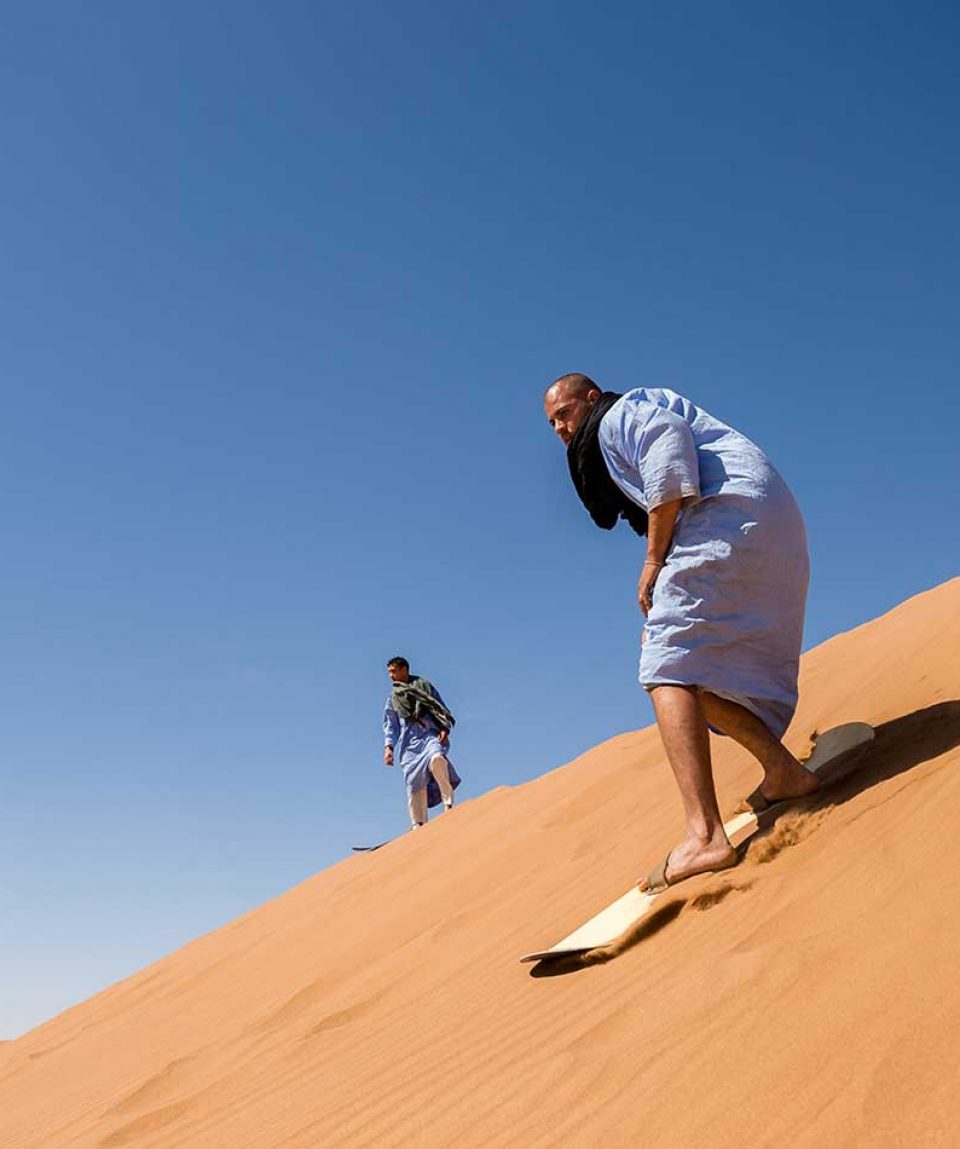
x=565, y=411
x=398, y=673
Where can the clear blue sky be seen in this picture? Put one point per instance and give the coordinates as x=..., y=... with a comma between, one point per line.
x=282, y=287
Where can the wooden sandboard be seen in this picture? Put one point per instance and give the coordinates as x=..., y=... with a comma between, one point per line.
x=626, y=911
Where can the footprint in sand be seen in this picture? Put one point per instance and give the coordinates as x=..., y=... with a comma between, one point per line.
x=133, y=1132
x=346, y=1016
x=160, y=1087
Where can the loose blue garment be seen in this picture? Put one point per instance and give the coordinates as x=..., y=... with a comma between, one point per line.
x=415, y=745
x=727, y=608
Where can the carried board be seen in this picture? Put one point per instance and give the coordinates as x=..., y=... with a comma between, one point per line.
x=604, y=929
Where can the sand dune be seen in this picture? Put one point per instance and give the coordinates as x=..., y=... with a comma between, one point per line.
x=810, y=995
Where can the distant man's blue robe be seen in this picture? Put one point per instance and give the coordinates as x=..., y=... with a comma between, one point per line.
x=415, y=745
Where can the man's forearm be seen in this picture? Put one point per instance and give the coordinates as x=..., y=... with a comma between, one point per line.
x=660, y=524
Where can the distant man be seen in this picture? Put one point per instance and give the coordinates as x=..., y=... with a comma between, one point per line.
x=723, y=588
x=416, y=728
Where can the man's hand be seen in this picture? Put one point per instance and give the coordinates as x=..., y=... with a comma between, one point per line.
x=443, y=737
x=660, y=526
x=648, y=578
x=388, y=756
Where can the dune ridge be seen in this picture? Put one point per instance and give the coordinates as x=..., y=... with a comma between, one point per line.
x=810, y=994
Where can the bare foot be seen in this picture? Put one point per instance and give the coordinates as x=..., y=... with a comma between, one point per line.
x=783, y=782
x=692, y=856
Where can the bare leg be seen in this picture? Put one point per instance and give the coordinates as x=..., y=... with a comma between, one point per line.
x=417, y=803
x=783, y=775
x=686, y=741
x=440, y=769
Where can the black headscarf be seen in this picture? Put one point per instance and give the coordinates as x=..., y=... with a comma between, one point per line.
x=598, y=492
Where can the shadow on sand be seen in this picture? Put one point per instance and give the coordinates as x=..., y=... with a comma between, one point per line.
x=898, y=747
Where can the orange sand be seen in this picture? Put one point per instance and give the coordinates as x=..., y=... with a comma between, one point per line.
x=810, y=996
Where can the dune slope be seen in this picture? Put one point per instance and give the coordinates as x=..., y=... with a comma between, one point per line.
x=810, y=994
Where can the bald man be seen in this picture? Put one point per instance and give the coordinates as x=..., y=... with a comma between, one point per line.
x=722, y=589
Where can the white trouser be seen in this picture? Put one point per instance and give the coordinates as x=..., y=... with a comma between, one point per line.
x=418, y=799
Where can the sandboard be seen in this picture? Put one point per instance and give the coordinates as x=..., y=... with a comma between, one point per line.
x=627, y=910
x=370, y=849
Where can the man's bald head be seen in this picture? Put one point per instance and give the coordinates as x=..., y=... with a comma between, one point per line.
x=567, y=402
x=575, y=385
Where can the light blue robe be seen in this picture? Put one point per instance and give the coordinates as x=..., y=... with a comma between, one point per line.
x=727, y=608
x=415, y=745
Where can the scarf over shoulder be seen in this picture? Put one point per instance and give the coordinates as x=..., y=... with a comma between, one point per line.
x=415, y=700
x=598, y=492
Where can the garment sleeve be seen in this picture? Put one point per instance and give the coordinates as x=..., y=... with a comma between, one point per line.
x=650, y=454
x=391, y=725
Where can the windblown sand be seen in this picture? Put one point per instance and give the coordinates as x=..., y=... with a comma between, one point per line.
x=811, y=996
